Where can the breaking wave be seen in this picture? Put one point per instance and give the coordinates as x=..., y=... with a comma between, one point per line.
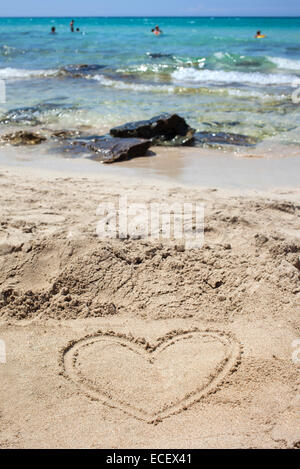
x=190, y=75
x=16, y=73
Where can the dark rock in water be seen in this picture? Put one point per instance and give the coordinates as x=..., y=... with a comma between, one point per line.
x=178, y=141
x=80, y=70
x=31, y=115
x=222, y=138
x=24, y=116
x=23, y=138
x=222, y=124
x=109, y=150
x=64, y=134
x=166, y=129
x=159, y=55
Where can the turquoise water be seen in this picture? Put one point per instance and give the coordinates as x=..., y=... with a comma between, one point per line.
x=210, y=70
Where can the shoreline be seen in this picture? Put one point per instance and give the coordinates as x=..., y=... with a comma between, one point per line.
x=189, y=167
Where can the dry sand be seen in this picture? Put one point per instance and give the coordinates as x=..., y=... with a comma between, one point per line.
x=140, y=343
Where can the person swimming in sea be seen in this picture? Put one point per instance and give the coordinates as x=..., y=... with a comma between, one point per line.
x=53, y=30
x=156, y=30
x=259, y=35
x=72, y=26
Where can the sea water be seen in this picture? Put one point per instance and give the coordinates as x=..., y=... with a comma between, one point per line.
x=212, y=71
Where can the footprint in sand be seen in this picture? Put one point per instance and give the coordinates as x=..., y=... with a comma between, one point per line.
x=150, y=382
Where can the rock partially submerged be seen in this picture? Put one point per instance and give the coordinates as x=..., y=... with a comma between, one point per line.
x=172, y=130
x=23, y=137
x=158, y=55
x=80, y=70
x=110, y=150
x=128, y=141
x=24, y=116
x=166, y=129
x=64, y=134
x=223, y=138
x=32, y=115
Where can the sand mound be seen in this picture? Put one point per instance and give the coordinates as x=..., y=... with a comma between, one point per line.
x=54, y=266
x=91, y=278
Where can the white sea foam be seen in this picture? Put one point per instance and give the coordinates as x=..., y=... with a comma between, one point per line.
x=191, y=75
x=16, y=73
x=122, y=85
x=219, y=55
x=255, y=95
x=286, y=64
x=187, y=90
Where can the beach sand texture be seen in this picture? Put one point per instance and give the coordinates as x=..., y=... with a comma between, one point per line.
x=141, y=343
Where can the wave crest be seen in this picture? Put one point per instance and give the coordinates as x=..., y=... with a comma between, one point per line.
x=190, y=75
x=122, y=85
x=16, y=73
x=286, y=64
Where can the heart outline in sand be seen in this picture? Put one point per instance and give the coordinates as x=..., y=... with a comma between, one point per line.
x=70, y=355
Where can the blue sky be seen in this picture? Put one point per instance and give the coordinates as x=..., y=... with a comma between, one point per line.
x=150, y=8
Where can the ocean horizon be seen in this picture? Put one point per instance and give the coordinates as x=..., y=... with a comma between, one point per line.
x=153, y=16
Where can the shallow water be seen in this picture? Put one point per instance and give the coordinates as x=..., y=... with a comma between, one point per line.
x=210, y=70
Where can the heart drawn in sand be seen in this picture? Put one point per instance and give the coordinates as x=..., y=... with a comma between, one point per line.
x=150, y=382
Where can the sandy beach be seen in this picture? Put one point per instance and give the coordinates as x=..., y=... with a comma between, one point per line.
x=142, y=343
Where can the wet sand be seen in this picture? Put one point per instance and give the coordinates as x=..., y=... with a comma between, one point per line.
x=185, y=166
